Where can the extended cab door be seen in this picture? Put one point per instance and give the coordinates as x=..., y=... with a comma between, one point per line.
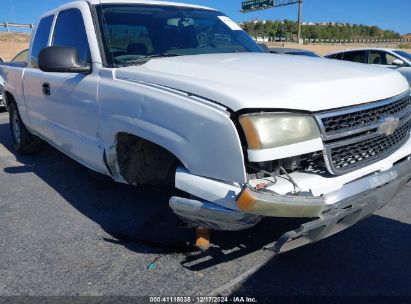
x=32, y=78
x=66, y=103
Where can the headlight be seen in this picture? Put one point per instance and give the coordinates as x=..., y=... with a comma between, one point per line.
x=272, y=130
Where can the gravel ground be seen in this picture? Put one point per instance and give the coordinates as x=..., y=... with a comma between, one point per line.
x=65, y=230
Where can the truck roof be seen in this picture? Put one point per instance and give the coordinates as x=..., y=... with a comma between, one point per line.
x=151, y=2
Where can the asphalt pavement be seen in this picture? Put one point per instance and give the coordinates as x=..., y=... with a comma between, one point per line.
x=66, y=230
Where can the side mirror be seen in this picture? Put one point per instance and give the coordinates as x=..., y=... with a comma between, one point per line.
x=61, y=60
x=398, y=62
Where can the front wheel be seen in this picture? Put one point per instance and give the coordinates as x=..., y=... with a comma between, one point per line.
x=23, y=141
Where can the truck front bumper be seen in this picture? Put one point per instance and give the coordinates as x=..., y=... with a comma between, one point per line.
x=354, y=202
x=333, y=212
x=306, y=205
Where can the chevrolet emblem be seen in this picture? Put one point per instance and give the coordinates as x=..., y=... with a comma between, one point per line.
x=389, y=126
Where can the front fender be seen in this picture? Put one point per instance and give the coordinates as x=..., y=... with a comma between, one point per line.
x=200, y=135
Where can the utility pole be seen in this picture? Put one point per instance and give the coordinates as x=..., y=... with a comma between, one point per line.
x=300, y=8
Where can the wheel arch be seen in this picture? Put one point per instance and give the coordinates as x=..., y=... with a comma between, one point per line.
x=137, y=160
x=9, y=99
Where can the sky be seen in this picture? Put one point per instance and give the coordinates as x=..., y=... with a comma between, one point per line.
x=387, y=14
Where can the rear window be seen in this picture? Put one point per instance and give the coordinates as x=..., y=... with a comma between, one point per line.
x=339, y=56
x=129, y=37
x=356, y=56
x=335, y=56
x=41, y=39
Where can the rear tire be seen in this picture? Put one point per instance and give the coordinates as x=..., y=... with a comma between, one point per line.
x=23, y=141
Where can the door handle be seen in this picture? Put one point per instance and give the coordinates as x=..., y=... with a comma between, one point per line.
x=46, y=88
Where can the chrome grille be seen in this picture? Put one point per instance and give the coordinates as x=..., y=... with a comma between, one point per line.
x=362, y=153
x=354, y=137
x=359, y=119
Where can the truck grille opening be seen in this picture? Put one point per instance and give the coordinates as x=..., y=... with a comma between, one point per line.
x=354, y=137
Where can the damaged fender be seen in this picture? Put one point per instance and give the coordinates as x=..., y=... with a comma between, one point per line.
x=198, y=133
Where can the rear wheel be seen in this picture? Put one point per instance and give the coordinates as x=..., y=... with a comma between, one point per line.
x=23, y=141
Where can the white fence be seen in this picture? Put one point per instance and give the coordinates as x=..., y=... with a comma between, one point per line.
x=8, y=25
x=324, y=41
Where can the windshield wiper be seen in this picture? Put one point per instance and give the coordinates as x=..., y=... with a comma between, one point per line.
x=149, y=57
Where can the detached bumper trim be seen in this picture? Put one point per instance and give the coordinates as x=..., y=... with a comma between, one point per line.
x=271, y=204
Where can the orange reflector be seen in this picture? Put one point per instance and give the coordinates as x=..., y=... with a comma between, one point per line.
x=251, y=134
x=246, y=201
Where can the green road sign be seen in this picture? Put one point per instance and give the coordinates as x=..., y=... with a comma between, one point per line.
x=253, y=5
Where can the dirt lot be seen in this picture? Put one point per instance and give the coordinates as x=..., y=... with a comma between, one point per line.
x=12, y=43
x=9, y=49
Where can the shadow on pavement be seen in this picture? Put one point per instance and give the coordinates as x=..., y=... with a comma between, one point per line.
x=137, y=218
x=371, y=258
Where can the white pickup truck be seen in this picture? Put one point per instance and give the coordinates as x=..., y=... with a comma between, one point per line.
x=156, y=92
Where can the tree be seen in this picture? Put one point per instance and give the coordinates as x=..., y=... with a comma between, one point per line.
x=287, y=28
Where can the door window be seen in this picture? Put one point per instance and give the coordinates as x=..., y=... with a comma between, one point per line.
x=69, y=31
x=381, y=57
x=41, y=39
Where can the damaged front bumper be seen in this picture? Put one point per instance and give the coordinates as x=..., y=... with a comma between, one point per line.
x=228, y=207
x=354, y=202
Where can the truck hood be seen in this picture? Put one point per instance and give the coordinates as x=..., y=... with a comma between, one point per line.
x=269, y=81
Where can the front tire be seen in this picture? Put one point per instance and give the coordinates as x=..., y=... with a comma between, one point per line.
x=23, y=141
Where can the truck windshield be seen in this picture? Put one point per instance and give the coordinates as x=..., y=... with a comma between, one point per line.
x=135, y=33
